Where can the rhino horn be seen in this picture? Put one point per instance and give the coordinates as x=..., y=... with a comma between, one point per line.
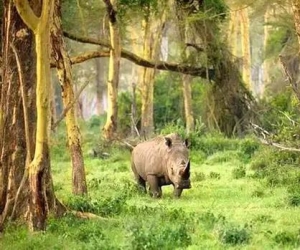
x=185, y=172
x=168, y=141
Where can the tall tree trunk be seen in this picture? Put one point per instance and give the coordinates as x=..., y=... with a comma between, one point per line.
x=245, y=35
x=64, y=72
x=185, y=37
x=99, y=86
x=41, y=194
x=296, y=11
x=151, y=48
x=233, y=32
x=266, y=63
x=16, y=151
x=110, y=126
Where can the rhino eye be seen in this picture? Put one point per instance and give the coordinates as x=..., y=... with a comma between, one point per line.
x=182, y=162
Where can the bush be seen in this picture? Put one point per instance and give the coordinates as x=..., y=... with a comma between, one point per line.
x=210, y=220
x=104, y=206
x=239, y=172
x=165, y=229
x=214, y=175
x=235, y=235
x=286, y=238
x=198, y=176
x=248, y=147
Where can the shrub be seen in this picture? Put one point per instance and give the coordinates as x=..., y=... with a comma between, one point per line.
x=286, y=238
x=239, y=172
x=214, y=175
x=210, y=220
x=235, y=235
x=159, y=236
x=248, y=147
x=165, y=229
x=198, y=176
x=293, y=198
x=104, y=206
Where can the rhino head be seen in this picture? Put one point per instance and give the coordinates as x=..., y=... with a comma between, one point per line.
x=178, y=163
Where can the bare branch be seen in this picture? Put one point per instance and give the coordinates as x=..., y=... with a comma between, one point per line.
x=277, y=145
x=69, y=106
x=181, y=68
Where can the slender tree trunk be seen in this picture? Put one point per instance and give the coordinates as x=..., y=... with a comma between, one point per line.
x=245, y=35
x=65, y=77
x=99, y=86
x=151, y=48
x=113, y=76
x=185, y=36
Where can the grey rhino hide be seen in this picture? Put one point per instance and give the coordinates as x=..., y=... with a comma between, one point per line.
x=161, y=161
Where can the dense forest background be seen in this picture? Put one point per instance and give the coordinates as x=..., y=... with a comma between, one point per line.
x=83, y=82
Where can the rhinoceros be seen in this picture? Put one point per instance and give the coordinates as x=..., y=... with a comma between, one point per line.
x=161, y=161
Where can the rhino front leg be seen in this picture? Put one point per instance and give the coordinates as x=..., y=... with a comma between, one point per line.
x=177, y=192
x=155, y=189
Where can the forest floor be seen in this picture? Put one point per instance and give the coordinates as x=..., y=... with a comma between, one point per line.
x=228, y=207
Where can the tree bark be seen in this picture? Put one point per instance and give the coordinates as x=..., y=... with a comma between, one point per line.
x=16, y=151
x=41, y=194
x=64, y=72
x=151, y=48
x=245, y=35
x=185, y=35
x=110, y=126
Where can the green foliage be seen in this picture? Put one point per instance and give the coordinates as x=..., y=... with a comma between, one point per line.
x=198, y=176
x=168, y=101
x=169, y=230
x=239, y=172
x=104, y=206
x=234, y=235
x=279, y=37
x=125, y=112
x=293, y=198
x=287, y=238
x=209, y=220
x=214, y=175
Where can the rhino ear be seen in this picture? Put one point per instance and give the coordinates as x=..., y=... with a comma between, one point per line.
x=187, y=143
x=168, y=142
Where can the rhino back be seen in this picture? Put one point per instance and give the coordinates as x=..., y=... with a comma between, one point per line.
x=150, y=157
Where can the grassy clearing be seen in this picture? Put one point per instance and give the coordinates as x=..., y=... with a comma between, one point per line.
x=235, y=203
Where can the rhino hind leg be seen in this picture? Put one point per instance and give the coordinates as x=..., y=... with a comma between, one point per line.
x=154, y=188
x=141, y=183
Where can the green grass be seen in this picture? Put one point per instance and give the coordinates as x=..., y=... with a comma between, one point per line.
x=226, y=208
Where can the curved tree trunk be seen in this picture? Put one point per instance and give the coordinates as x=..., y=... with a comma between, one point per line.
x=110, y=126
x=65, y=77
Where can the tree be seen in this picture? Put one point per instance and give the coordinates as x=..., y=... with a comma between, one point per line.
x=110, y=126
x=64, y=72
x=152, y=27
x=18, y=94
x=245, y=35
x=184, y=34
x=41, y=194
